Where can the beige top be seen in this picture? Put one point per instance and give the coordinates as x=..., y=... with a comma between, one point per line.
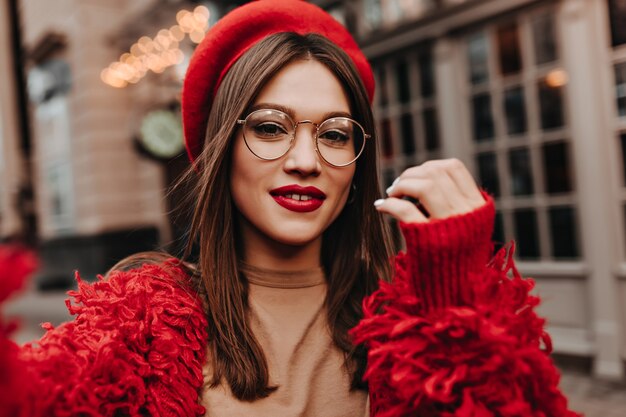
x=288, y=318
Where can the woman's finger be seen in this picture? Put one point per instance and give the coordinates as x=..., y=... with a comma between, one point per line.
x=402, y=210
x=427, y=191
x=457, y=200
x=465, y=182
x=454, y=179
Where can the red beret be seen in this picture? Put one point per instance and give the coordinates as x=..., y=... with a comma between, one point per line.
x=234, y=34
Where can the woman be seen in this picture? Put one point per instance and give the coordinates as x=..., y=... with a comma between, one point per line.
x=292, y=244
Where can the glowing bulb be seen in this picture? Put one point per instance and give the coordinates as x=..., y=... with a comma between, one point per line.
x=144, y=44
x=196, y=36
x=134, y=50
x=557, y=78
x=202, y=11
x=177, y=33
x=109, y=78
x=181, y=15
x=187, y=23
x=200, y=21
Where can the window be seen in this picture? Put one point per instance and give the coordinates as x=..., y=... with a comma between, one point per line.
x=515, y=110
x=556, y=163
x=617, y=48
x=617, y=16
x=544, y=39
x=402, y=82
x=521, y=176
x=426, y=72
x=482, y=117
x=383, y=95
x=431, y=132
x=387, y=138
x=498, y=232
x=563, y=232
x=622, y=137
x=517, y=119
x=550, y=105
x=620, y=88
x=509, y=49
x=488, y=172
x=408, y=140
x=477, y=55
x=406, y=108
x=526, y=233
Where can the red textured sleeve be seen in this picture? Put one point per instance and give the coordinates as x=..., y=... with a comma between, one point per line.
x=16, y=264
x=455, y=334
x=135, y=347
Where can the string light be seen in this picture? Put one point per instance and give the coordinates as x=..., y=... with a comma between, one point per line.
x=158, y=53
x=557, y=78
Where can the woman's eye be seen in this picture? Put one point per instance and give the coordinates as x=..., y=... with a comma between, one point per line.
x=269, y=130
x=335, y=136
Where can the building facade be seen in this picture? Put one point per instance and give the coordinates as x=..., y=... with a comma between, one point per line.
x=530, y=94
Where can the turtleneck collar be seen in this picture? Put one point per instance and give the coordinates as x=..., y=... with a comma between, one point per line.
x=275, y=278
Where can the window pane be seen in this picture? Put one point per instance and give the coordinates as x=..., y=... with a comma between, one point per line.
x=617, y=15
x=430, y=129
x=408, y=141
x=482, y=118
x=387, y=139
x=526, y=233
x=521, y=174
x=550, y=105
x=427, y=73
x=488, y=172
x=498, y=232
x=620, y=88
x=478, y=48
x=389, y=177
x=563, y=232
x=402, y=82
x=383, y=95
x=544, y=39
x=373, y=13
x=515, y=110
x=623, y=143
x=624, y=208
x=556, y=165
x=509, y=49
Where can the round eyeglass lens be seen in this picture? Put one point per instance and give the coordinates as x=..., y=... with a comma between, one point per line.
x=340, y=140
x=268, y=133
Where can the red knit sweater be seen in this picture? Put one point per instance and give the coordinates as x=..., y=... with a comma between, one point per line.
x=454, y=335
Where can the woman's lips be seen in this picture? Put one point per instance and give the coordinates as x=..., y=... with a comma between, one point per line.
x=300, y=206
x=297, y=198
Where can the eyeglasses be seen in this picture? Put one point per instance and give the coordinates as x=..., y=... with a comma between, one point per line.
x=269, y=134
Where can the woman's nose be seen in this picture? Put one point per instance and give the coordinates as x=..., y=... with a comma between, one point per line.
x=302, y=158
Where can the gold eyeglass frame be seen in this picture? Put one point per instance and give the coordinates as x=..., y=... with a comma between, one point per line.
x=366, y=136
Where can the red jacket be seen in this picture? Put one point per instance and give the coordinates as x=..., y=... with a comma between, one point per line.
x=454, y=335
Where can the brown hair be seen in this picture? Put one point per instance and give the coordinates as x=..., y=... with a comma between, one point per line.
x=356, y=248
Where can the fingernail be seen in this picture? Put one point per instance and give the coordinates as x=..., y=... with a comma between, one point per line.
x=379, y=202
x=390, y=189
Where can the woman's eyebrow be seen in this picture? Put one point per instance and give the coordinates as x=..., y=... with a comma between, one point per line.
x=291, y=112
x=261, y=106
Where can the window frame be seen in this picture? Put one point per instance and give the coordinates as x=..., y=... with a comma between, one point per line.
x=533, y=139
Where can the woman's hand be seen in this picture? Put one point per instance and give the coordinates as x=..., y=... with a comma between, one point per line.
x=442, y=188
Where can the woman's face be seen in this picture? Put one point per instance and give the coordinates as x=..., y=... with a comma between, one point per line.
x=293, y=199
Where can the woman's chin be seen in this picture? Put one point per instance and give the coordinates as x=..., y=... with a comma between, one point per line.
x=296, y=239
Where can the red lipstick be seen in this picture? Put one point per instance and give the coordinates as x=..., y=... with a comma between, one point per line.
x=299, y=199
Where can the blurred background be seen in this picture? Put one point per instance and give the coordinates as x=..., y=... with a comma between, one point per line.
x=530, y=94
